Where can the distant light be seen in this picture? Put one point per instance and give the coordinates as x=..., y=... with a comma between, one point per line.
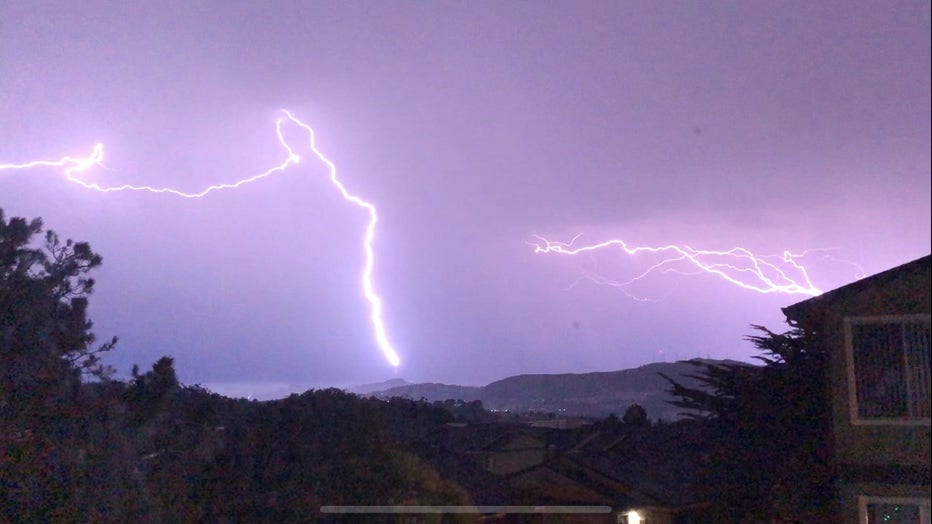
x=634, y=517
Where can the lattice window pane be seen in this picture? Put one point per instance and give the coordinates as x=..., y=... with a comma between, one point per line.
x=892, y=368
x=916, y=338
x=878, y=361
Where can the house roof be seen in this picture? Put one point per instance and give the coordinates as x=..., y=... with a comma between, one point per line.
x=665, y=462
x=564, y=480
x=656, y=467
x=497, y=436
x=805, y=308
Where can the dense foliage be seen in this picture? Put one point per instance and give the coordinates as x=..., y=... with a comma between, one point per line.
x=77, y=446
x=766, y=431
x=45, y=337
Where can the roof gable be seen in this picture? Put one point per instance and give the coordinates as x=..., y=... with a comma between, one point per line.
x=902, y=289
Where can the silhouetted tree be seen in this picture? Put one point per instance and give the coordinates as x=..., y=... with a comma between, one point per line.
x=45, y=346
x=152, y=391
x=45, y=337
x=768, y=430
x=636, y=415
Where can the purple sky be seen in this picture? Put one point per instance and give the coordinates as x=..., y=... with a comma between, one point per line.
x=471, y=126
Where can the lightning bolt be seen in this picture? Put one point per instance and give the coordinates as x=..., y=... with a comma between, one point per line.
x=738, y=266
x=72, y=167
x=367, y=288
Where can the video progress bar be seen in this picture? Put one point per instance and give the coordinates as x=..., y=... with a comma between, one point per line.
x=468, y=509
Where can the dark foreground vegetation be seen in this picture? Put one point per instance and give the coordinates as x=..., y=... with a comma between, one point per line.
x=77, y=446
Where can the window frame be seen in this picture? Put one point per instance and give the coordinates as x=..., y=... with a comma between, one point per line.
x=924, y=504
x=855, y=417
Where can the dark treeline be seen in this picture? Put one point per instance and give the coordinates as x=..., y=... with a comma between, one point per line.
x=78, y=446
x=152, y=450
x=765, y=432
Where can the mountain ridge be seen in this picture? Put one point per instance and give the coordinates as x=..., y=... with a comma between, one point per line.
x=592, y=394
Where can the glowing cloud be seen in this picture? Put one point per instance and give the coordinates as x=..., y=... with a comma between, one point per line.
x=73, y=166
x=738, y=266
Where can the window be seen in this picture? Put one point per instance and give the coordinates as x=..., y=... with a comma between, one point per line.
x=631, y=517
x=888, y=369
x=893, y=510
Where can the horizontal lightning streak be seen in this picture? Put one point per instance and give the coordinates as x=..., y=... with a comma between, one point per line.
x=743, y=263
x=72, y=166
x=77, y=165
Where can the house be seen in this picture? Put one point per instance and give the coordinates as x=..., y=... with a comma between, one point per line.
x=560, y=482
x=875, y=333
x=586, y=475
x=514, y=452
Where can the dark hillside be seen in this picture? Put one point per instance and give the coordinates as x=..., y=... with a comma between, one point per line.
x=595, y=394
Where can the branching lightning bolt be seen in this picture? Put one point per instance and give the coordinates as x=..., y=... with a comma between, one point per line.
x=368, y=290
x=759, y=272
x=73, y=166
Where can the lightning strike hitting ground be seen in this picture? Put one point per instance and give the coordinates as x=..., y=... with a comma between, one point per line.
x=738, y=265
x=72, y=166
